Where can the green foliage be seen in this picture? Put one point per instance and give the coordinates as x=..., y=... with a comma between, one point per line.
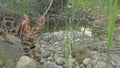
x=19, y=6
x=108, y=7
x=113, y=7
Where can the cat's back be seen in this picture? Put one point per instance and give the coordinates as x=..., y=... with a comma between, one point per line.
x=10, y=21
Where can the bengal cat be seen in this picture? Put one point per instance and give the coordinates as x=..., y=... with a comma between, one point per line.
x=24, y=27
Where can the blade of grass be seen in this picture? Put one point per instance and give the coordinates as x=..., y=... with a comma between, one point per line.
x=113, y=6
x=66, y=47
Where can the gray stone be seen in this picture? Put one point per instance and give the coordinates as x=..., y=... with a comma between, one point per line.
x=52, y=41
x=56, y=44
x=64, y=66
x=60, y=52
x=101, y=65
x=50, y=49
x=55, y=56
x=72, y=62
x=115, y=57
x=26, y=62
x=94, y=62
x=61, y=55
x=42, y=61
x=49, y=64
x=86, y=61
x=53, y=37
x=2, y=65
x=118, y=66
x=77, y=66
x=89, y=66
x=82, y=66
x=60, y=61
x=50, y=58
x=59, y=49
x=45, y=54
x=113, y=63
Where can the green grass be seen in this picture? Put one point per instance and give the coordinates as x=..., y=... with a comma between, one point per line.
x=112, y=13
x=108, y=7
x=113, y=7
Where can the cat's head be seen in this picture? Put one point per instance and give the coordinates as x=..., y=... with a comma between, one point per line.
x=34, y=27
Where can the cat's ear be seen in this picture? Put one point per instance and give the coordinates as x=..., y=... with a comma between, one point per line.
x=41, y=20
x=27, y=22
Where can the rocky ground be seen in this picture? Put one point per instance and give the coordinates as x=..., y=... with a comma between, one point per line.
x=85, y=50
x=52, y=48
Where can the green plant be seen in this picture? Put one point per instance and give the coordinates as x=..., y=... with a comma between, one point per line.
x=112, y=10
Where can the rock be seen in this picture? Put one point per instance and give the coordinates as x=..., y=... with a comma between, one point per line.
x=86, y=61
x=50, y=58
x=91, y=18
x=45, y=54
x=89, y=66
x=42, y=61
x=101, y=65
x=72, y=62
x=53, y=37
x=118, y=66
x=56, y=44
x=49, y=64
x=113, y=63
x=26, y=62
x=82, y=66
x=64, y=66
x=94, y=52
x=60, y=52
x=77, y=66
x=61, y=55
x=115, y=57
x=59, y=49
x=50, y=49
x=94, y=62
x=2, y=65
x=60, y=61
